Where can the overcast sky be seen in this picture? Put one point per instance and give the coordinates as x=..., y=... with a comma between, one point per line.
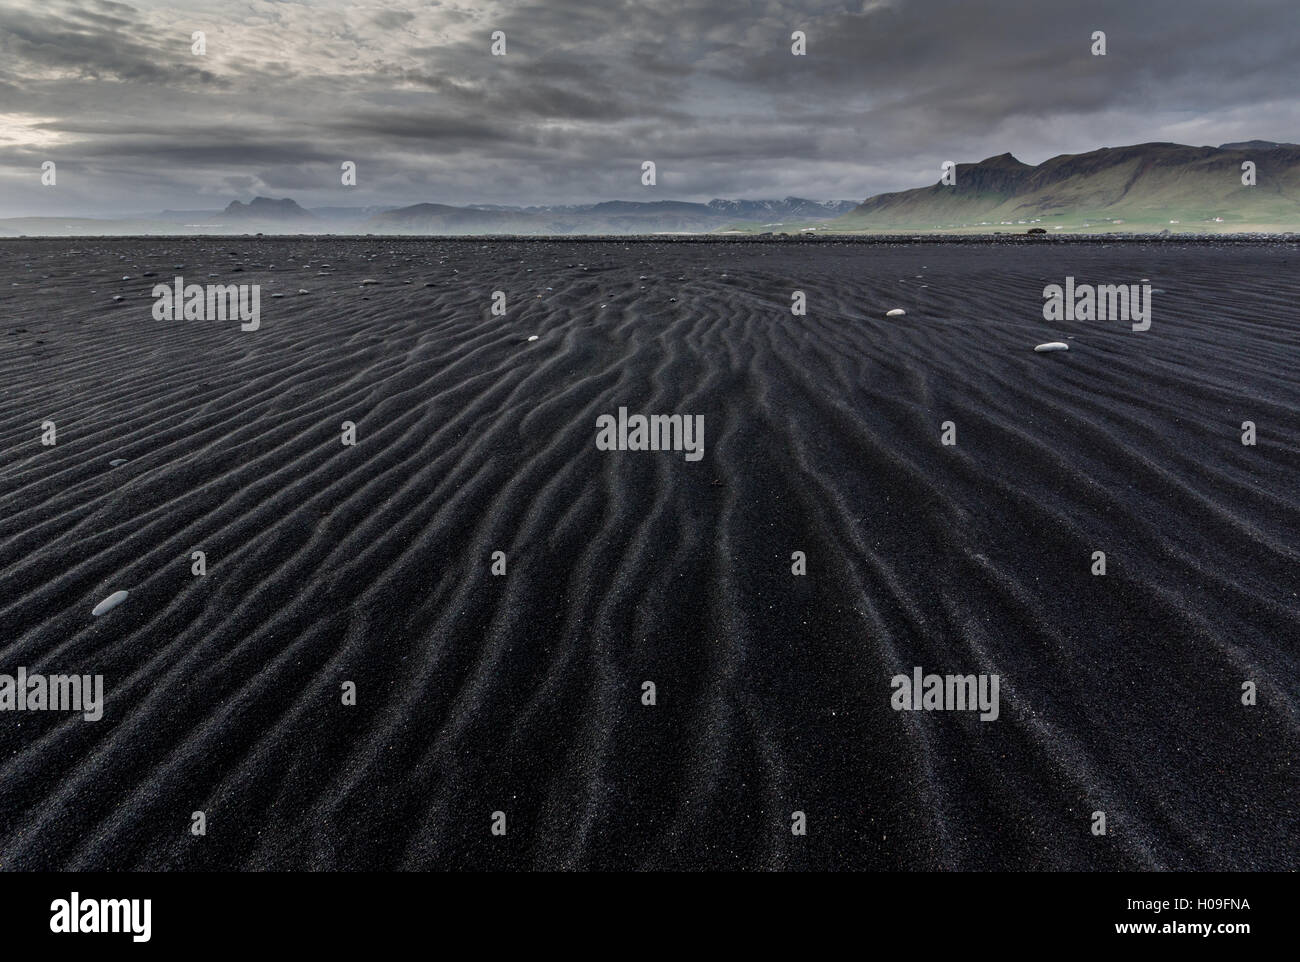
x=587, y=91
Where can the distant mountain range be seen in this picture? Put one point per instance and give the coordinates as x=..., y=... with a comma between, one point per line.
x=1138, y=188
x=1142, y=188
x=610, y=217
x=285, y=216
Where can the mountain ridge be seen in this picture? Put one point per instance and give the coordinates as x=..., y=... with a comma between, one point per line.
x=1152, y=183
x=1139, y=188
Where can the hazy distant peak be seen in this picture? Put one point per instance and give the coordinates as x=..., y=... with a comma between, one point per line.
x=266, y=208
x=792, y=207
x=1255, y=145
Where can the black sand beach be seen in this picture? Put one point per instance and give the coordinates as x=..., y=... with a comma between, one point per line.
x=522, y=693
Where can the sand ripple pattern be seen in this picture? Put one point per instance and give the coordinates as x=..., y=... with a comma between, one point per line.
x=522, y=693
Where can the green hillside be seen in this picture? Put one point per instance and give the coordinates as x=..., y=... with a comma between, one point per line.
x=1144, y=187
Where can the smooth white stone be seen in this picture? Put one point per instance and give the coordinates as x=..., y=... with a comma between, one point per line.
x=109, y=603
x=896, y=312
x=1052, y=346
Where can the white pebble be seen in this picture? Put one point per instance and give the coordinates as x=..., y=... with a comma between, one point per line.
x=109, y=603
x=1051, y=346
x=116, y=461
x=896, y=312
x=533, y=337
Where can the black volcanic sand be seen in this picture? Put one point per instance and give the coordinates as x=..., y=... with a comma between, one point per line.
x=522, y=693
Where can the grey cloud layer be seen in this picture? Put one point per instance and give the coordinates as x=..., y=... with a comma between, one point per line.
x=587, y=91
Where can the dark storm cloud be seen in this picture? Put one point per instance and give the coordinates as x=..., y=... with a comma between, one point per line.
x=708, y=90
x=88, y=45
